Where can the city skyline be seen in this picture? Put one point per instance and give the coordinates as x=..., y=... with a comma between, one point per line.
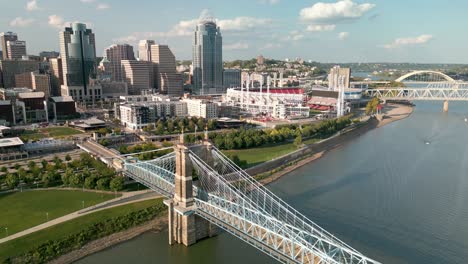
x=331, y=31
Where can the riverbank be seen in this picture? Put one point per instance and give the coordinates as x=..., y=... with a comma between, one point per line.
x=156, y=225
x=390, y=113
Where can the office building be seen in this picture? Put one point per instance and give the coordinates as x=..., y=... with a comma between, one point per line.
x=139, y=115
x=78, y=53
x=16, y=49
x=169, y=81
x=339, y=78
x=144, y=49
x=56, y=75
x=231, y=78
x=34, y=80
x=138, y=75
x=34, y=107
x=201, y=108
x=11, y=47
x=62, y=108
x=9, y=68
x=49, y=54
x=207, y=57
x=114, y=55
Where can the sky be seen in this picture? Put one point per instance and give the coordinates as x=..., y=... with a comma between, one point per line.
x=419, y=31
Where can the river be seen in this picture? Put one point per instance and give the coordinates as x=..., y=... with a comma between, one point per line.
x=399, y=194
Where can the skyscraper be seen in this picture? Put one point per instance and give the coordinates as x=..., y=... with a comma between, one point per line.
x=169, y=81
x=339, y=77
x=12, y=48
x=115, y=54
x=144, y=49
x=138, y=75
x=78, y=53
x=207, y=57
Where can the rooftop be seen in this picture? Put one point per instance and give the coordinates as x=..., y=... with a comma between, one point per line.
x=10, y=142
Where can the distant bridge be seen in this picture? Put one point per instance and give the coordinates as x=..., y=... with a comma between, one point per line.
x=444, y=91
x=425, y=77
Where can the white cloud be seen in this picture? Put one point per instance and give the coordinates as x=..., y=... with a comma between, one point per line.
x=335, y=12
x=319, y=28
x=242, y=23
x=21, y=22
x=400, y=42
x=87, y=1
x=56, y=21
x=269, y=2
x=294, y=35
x=236, y=46
x=32, y=5
x=103, y=6
x=271, y=46
x=186, y=28
x=343, y=35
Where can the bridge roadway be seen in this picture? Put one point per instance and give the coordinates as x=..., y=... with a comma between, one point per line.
x=228, y=197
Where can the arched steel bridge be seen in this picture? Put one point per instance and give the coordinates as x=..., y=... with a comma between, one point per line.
x=425, y=76
x=231, y=199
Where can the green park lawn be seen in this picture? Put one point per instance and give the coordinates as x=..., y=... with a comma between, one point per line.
x=259, y=155
x=26, y=243
x=22, y=210
x=55, y=132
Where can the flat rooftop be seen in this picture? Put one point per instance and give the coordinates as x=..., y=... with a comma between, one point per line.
x=10, y=142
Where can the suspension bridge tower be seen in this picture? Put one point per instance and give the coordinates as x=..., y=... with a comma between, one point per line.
x=185, y=227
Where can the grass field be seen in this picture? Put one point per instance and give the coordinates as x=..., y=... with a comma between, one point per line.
x=55, y=132
x=60, y=231
x=22, y=210
x=259, y=155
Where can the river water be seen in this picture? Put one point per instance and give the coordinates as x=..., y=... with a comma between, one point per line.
x=398, y=194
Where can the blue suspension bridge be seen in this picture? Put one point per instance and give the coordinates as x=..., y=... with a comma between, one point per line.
x=226, y=197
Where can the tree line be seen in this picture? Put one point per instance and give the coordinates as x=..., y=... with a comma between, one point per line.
x=174, y=125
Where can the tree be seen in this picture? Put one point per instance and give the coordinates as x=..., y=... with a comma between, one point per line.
x=75, y=180
x=371, y=106
x=44, y=164
x=67, y=157
x=90, y=182
x=103, y=183
x=31, y=164
x=66, y=176
x=47, y=178
x=298, y=141
x=12, y=180
x=4, y=169
x=117, y=183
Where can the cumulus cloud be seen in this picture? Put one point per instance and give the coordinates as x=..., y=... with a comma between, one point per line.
x=330, y=13
x=343, y=35
x=186, y=28
x=295, y=35
x=56, y=21
x=400, y=42
x=21, y=22
x=32, y=5
x=236, y=46
x=319, y=28
x=102, y=6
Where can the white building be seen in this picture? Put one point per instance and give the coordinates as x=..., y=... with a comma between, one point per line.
x=277, y=103
x=136, y=116
x=201, y=108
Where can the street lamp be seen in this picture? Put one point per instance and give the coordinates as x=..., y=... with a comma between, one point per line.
x=47, y=216
x=6, y=231
x=82, y=203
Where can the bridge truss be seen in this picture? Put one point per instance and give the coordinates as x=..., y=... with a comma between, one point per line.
x=230, y=198
x=444, y=91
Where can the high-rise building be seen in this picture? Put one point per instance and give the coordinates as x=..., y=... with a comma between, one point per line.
x=16, y=49
x=138, y=75
x=115, y=54
x=339, y=77
x=36, y=81
x=169, y=81
x=56, y=71
x=231, y=78
x=207, y=57
x=9, y=68
x=144, y=49
x=78, y=53
x=4, y=38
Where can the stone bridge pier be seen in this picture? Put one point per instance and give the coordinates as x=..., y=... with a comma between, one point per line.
x=184, y=226
x=446, y=106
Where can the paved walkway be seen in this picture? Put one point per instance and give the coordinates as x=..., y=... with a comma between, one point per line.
x=126, y=198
